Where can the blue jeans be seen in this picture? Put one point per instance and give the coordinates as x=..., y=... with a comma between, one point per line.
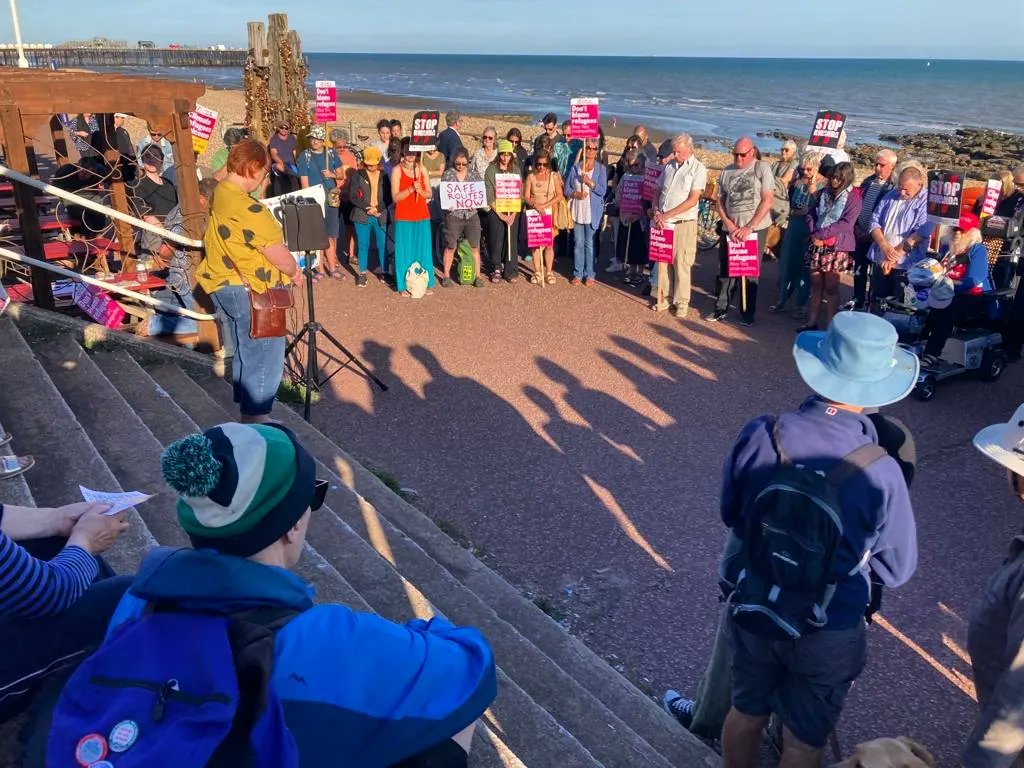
x=583, y=251
x=258, y=364
x=170, y=323
x=363, y=232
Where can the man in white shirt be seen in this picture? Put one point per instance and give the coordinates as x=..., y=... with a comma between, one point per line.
x=682, y=183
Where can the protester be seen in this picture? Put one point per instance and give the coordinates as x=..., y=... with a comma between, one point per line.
x=284, y=173
x=644, y=143
x=410, y=190
x=587, y=183
x=541, y=190
x=970, y=253
x=745, y=194
x=412, y=700
x=682, y=184
x=856, y=364
x=899, y=232
x=1012, y=204
x=395, y=126
x=831, y=220
x=515, y=136
x=574, y=149
x=348, y=164
x=502, y=228
x=121, y=142
x=56, y=595
x=318, y=166
x=1013, y=333
x=461, y=223
x=153, y=196
x=631, y=234
x=245, y=251
x=559, y=146
x=794, y=276
x=839, y=154
x=369, y=191
x=873, y=190
x=383, y=136
x=219, y=161
x=995, y=634
x=488, y=151
x=167, y=152
x=450, y=138
x=179, y=267
x=83, y=126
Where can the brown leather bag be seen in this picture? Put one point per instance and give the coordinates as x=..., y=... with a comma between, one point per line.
x=268, y=311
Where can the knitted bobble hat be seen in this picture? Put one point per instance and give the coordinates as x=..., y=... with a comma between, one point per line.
x=240, y=487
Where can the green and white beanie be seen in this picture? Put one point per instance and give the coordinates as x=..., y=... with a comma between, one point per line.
x=241, y=486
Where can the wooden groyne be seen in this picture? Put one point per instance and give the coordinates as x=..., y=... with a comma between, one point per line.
x=63, y=58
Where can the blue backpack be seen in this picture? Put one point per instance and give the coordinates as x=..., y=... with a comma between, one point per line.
x=176, y=688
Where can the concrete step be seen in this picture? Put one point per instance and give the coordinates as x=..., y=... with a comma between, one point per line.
x=532, y=731
x=65, y=457
x=14, y=490
x=630, y=705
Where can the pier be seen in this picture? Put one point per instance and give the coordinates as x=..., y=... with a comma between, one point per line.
x=64, y=58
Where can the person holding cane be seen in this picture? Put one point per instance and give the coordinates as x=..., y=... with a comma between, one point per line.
x=503, y=256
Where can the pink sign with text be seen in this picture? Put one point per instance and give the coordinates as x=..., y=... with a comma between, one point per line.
x=744, y=257
x=631, y=201
x=652, y=179
x=661, y=242
x=539, y=230
x=98, y=305
x=584, y=118
x=326, y=101
x=993, y=190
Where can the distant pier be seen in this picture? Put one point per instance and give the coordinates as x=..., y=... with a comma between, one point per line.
x=63, y=58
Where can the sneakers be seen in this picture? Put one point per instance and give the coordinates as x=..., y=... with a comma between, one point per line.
x=679, y=707
x=660, y=307
x=361, y=280
x=853, y=306
x=615, y=266
x=746, y=322
x=446, y=282
x=717, y=316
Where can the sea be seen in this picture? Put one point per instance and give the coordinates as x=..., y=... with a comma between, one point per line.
x=714, y=99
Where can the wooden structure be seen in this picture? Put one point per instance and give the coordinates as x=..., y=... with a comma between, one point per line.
x=123, y=57
x=275, y=78
x=30, y=98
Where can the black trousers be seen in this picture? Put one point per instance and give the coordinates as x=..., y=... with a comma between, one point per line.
x=1013, y=332
x=861, y=269
x=36, y=649
x=501, y=253
x=727, y=287
x=447, y=754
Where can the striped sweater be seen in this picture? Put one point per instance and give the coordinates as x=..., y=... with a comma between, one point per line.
x=32, y=588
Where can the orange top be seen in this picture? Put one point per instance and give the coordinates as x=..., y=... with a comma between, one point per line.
x=413, y=207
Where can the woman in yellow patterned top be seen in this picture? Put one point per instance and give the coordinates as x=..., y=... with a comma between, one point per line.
x=242, y=236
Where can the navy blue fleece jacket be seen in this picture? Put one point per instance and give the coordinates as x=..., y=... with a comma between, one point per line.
x=878, y=521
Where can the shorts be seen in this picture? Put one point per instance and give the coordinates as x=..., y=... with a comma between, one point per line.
x=456, y=228
x=803, y=681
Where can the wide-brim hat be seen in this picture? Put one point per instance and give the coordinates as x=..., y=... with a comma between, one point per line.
x=941, y=294
x=857, y=361
x=1004, y=443
x=317, y=132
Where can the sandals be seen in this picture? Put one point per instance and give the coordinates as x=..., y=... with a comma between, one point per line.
x=337, y=274
x=550, y=280
x=318, y=276
x=12, y=466
x=535, y=278
x=511, y=280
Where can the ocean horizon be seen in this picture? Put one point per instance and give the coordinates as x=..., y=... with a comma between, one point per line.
x=714, y=98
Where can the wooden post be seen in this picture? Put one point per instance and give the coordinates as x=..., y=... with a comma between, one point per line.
x=118, y=193
x=277, y=33
x=16, y=152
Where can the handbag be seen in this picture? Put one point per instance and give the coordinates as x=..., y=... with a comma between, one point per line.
x=561, y=218
x=268, y=311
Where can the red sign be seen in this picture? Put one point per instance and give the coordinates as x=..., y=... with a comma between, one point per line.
x=744, y=257
x=945, y=196
x=631, y=202
x=98, y=305
x=993, y=189
x=424, y=131
x=326, y=101
x=828, y=127
x=652, y=179
x=584, y=119
x=539, y=230
x=661, y=242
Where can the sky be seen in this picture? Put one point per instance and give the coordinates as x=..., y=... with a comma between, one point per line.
x=741, y=28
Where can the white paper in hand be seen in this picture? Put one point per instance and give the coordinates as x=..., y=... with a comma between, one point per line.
x=119, y=501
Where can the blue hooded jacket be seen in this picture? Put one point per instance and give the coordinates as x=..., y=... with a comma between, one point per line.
x=356, y=689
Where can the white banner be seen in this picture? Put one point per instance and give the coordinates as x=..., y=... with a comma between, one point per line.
x=463, y=195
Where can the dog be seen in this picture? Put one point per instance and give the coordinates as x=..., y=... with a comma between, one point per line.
x=889, y=753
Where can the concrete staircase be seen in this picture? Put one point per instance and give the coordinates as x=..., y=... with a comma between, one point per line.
x=101, y=419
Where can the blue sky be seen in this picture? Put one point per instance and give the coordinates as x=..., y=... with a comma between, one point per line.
x=797, y=28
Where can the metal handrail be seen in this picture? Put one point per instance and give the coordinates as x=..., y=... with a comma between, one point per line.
x=10, y=255
x=71, y=197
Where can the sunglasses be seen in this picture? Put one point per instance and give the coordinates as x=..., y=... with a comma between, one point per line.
x=742, y=154
x=591, y=149
x=319, y=494
x=541, y=165
x=488, y=138
x=151, y=133
x=461, y=165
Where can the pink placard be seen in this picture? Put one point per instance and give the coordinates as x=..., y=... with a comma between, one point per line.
x=539, y=230
x=744, y=257
x=631, y=201
x=326, y=101
x=652, y=179
x=584, y=118
x=660, y=244
x=98, y=305
x=992, y=191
